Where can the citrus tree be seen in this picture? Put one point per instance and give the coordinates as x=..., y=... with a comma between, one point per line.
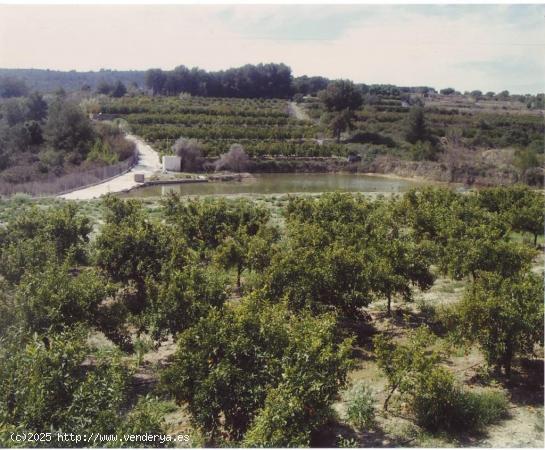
x=232, y=364
x=504, y=316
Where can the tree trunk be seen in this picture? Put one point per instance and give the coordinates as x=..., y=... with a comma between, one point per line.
x=239, y=270
x=507, y=367
x=388, y=397
x=535, y=240
x=389, y=304
x=507, y=359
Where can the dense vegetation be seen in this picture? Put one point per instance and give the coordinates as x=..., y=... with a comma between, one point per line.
x=371, y=126
x=42, y=138
x=392, y=122
x=475, y=137
x=265, y=312
x=51, y=80
x=261, y=80
x=263, y=127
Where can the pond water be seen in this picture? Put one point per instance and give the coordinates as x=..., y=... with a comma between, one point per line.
x=284, y=183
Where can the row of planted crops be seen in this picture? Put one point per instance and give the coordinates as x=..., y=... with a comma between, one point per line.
x=263, y=126
x=494, y=129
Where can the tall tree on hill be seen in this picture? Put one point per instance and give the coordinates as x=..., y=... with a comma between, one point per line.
x=119, y=90
x=37, y=107
x=417, y=129
x=341, y=99
x=155, y=80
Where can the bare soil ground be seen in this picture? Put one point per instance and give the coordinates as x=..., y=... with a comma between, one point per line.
x=297, y=111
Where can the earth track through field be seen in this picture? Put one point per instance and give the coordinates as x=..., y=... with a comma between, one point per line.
x=296, y=111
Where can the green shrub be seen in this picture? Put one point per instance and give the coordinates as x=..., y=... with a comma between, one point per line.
x=435, y=398
x=45, y=385
x=285, y=421
x=360, y=406
x=145, y=417
x=423, y=151
x=440, y=404
x=437, y=402
x=487, y=406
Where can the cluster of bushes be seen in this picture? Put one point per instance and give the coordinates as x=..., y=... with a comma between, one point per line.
x=435, y=398
x=257, y=148
x=41, y=138
x=111, y=145
x=256, y=310
x=197, y=119
x=383, y=121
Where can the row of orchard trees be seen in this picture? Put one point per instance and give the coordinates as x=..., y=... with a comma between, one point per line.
x=262, y=370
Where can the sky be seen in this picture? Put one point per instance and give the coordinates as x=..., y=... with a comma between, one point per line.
x=486, y=47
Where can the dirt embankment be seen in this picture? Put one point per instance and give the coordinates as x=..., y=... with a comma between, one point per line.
x=480, y=174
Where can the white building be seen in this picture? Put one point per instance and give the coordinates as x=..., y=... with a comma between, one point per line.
x=172, y=163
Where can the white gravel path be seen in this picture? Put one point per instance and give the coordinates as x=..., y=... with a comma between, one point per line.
x=296, y=111
x=148, y=164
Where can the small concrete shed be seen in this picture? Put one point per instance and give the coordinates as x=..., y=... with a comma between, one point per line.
x=172, y=163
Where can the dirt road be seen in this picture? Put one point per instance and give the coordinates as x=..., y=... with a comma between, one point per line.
x=148, y=164
x=296, y=111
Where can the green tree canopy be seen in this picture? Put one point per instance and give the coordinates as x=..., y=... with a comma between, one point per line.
x=232, y=364
x=504, y=315
x=49, y=385
x=68, y=129
x=417, y=129
x=341, y=98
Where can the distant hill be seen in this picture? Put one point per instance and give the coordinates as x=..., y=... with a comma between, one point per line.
x=51, y=80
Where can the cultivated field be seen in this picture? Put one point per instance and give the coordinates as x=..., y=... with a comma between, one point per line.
x=263, y=127
x=159, y=335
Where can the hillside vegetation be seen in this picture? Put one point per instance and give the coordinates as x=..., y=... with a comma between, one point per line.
x=452, y=138
x=471, y=137
x=45, y=138
x=263, y=127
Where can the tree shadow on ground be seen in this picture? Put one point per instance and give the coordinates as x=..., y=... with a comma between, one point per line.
x=363, y=329
x=407, y=319
x=336, y=432
x=525, y=386
x=526, y=383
